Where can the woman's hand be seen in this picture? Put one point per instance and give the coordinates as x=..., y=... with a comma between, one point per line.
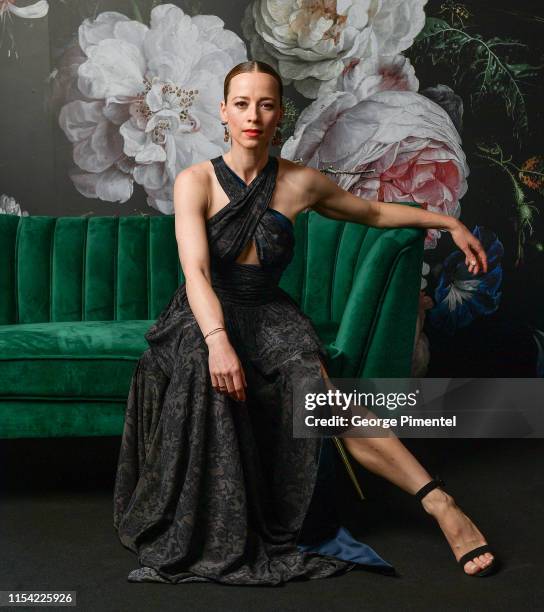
x=226, y=370
x=475, y=257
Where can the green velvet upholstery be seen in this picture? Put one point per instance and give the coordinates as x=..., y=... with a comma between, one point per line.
x=77, y=295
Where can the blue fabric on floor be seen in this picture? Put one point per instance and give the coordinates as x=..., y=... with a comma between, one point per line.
x=322, y=531
x=344, y=546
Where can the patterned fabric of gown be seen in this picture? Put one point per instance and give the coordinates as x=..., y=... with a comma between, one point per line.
x=208, y=488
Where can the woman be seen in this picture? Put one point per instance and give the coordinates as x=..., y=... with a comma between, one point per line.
x=211, y=485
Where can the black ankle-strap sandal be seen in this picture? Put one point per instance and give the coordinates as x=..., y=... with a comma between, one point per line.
x=475, y=552
x=435, y=482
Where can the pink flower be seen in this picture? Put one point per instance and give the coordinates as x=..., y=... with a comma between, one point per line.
x=405, y=146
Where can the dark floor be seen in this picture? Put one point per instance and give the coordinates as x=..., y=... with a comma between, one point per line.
x=57, y=533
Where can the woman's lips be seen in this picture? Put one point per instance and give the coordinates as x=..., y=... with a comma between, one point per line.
x=252, y=132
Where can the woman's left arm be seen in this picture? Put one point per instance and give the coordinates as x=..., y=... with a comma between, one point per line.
x=332, y=201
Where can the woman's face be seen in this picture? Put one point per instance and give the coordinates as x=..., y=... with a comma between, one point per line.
x=252, y=103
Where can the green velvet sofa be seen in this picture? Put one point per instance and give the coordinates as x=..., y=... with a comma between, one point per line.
x=77, y=295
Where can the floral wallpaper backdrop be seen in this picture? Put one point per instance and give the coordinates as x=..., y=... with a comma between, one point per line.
x=439, y=102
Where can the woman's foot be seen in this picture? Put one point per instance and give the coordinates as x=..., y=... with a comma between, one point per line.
x=461, y=533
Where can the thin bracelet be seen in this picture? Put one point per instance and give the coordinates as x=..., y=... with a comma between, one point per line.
x=213, y=332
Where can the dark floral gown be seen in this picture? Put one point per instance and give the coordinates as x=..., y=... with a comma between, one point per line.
x=210, y=489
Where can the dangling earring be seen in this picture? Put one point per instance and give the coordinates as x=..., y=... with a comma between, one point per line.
x=277, y=139
x=226, y=137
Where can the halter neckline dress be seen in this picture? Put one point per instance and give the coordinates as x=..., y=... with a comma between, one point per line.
x=211, y=489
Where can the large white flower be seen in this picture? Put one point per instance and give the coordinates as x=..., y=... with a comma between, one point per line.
x=102, y=169
x=310, y=42
x=403, y=146
x=150, y=100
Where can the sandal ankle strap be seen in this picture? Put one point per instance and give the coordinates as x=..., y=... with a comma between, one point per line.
x=432, y=484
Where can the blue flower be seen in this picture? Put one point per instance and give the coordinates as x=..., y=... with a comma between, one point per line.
x=461, y=296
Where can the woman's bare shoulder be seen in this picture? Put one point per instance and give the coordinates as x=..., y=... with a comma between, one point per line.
x=292, y=166
x=296, y=170
x=300, y=179
x=192, y=187
x=199, y=173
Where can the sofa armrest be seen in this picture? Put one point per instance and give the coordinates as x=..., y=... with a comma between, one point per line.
x=376, y=333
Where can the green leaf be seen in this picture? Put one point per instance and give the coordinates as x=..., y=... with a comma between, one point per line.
x=483, y=66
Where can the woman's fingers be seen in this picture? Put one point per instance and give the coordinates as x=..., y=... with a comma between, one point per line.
x=229, y=379
x=231, y=385
x=476, y=258
x=222, y=383
x=238, y=380
x=481, y=254
x=215, y=381
x=475, y=255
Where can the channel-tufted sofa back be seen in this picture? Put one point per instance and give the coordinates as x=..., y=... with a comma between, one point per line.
x=127, y=267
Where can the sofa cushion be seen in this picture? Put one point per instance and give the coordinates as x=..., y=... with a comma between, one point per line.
x=77, y=359
x=60, y=417
x=81, y=359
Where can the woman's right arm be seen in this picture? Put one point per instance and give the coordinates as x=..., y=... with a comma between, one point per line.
x=190, y=208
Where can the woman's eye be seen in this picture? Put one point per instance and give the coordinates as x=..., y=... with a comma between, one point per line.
x=268, y=106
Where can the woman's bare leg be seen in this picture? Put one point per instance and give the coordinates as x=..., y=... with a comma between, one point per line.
x=389, y=458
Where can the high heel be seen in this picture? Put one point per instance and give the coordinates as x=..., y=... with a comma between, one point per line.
x=475, y=552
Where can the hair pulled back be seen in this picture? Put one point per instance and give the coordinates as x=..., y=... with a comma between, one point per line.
x=251, y=66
